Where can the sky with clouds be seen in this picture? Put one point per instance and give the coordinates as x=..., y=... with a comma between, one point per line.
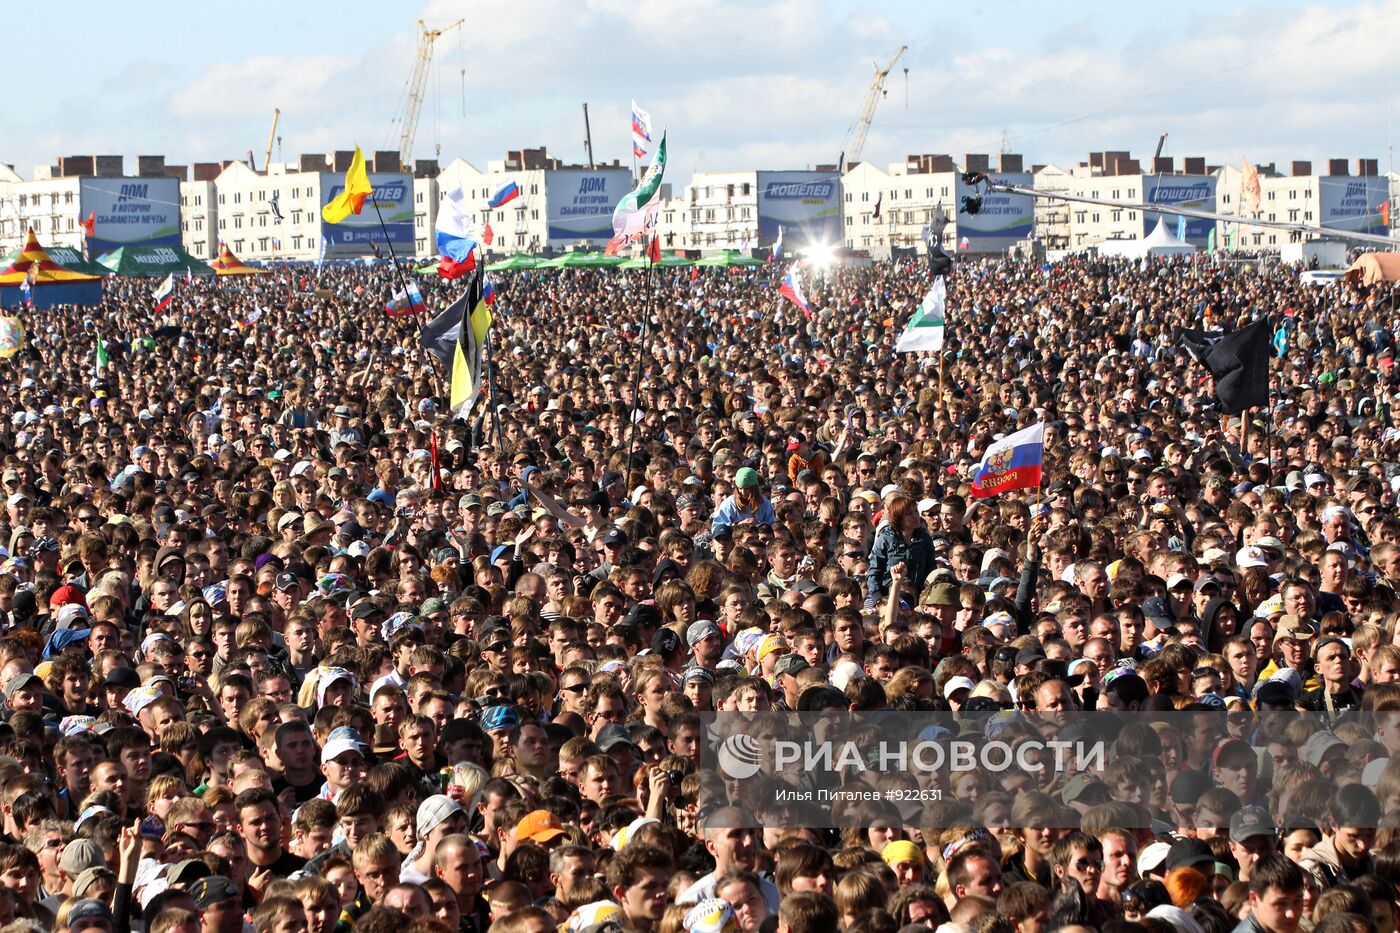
x=770, y=84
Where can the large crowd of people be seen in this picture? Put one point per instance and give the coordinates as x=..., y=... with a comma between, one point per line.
x=288, y=648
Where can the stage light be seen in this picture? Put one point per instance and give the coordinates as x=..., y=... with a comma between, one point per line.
x=821, y=255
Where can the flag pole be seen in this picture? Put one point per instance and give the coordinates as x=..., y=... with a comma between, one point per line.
x=938, y=411
x=637, y=374
x=393, y=260
x=491, y=387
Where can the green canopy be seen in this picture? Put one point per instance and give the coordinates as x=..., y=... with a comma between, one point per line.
x=668, y=261
x=729, y=257
x=153, y=260
x=427, y=270
x=515, y=262
x=582, y=261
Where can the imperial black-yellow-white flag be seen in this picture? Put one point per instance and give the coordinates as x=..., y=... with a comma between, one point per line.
x=467, y=354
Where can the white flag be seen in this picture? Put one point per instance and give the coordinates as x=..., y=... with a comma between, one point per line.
x=925, y=330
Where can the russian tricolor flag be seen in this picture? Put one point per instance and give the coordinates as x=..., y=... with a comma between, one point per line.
x=456, y=235
x=1011, y=463
x=792, y=290
x=164, y=292
x=777, y=246
x=509, y=192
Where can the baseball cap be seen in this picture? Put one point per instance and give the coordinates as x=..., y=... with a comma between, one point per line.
x=790, y=664
x=955, y=684
x=433, y=811
x=341, y=740
x=539, y=826
x=79, y=855
x=329, y=676
x=209, y=891
x=187, y=872
x=1319, y=745
x=1251, y=821
x=746, y=478
x=1189, y=852
x=665, y=642
x=1274, y=693
x=1153, y=856
x=89, y=877
x=612, y=735
x=19, y=682
x=1079, y=785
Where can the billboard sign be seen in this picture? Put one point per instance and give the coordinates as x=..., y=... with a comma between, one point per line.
x=807, y=205
x=580, y=203
x=1191, y=191
x=130, y=211
x=359, y=234
x=1004, y=219
x=1353, y=203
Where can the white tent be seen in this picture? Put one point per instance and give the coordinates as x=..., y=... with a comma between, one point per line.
x=1160, y=242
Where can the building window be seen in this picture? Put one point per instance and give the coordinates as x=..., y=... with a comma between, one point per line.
x=748, y=189
x=238, y=197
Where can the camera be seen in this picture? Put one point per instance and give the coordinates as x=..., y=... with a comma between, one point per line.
x=675, y=777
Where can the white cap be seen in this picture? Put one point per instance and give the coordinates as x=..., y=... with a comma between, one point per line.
x=955, y=684
x=342, y=739
x=1176, y=580
x=1250, y=556
x=889, y=490
x=1153, y=857
x=842, y=673
x=301, y=467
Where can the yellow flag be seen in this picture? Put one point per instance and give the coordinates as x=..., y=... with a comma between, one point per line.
x=352, y=199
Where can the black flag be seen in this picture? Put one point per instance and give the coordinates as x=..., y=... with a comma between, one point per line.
x=1198, y=343
x=439, y=336
x=1240, y=364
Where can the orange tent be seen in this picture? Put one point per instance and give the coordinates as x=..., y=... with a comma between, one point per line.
x=229, y=264
x=33, y=274
x=1374, y=268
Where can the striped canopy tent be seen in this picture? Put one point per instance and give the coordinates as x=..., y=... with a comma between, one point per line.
x=229, y=264
x=52, y=284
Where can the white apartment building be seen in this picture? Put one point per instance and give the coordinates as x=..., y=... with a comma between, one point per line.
x=717, y=210
x=907, y=202
x=244, y=219
x=1051, y=215
x=1336, y=199
x=199, y=219
x=48, y=206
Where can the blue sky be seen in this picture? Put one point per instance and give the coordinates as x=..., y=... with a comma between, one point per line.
x=738, y=83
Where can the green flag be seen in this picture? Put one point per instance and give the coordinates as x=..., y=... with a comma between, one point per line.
x=102, y=358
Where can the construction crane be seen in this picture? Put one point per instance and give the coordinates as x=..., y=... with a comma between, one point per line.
x=271, y=135
x=855, y=136
x=417, y=82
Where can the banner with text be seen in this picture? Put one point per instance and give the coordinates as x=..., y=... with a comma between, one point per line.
x=807, y=205
x=359, y=234
x=128, y=211
x=1353, y=203
x=1003, y=219
x=1193, y=191
x=581, y=202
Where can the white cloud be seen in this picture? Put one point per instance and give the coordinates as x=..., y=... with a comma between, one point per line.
x=773, y=85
